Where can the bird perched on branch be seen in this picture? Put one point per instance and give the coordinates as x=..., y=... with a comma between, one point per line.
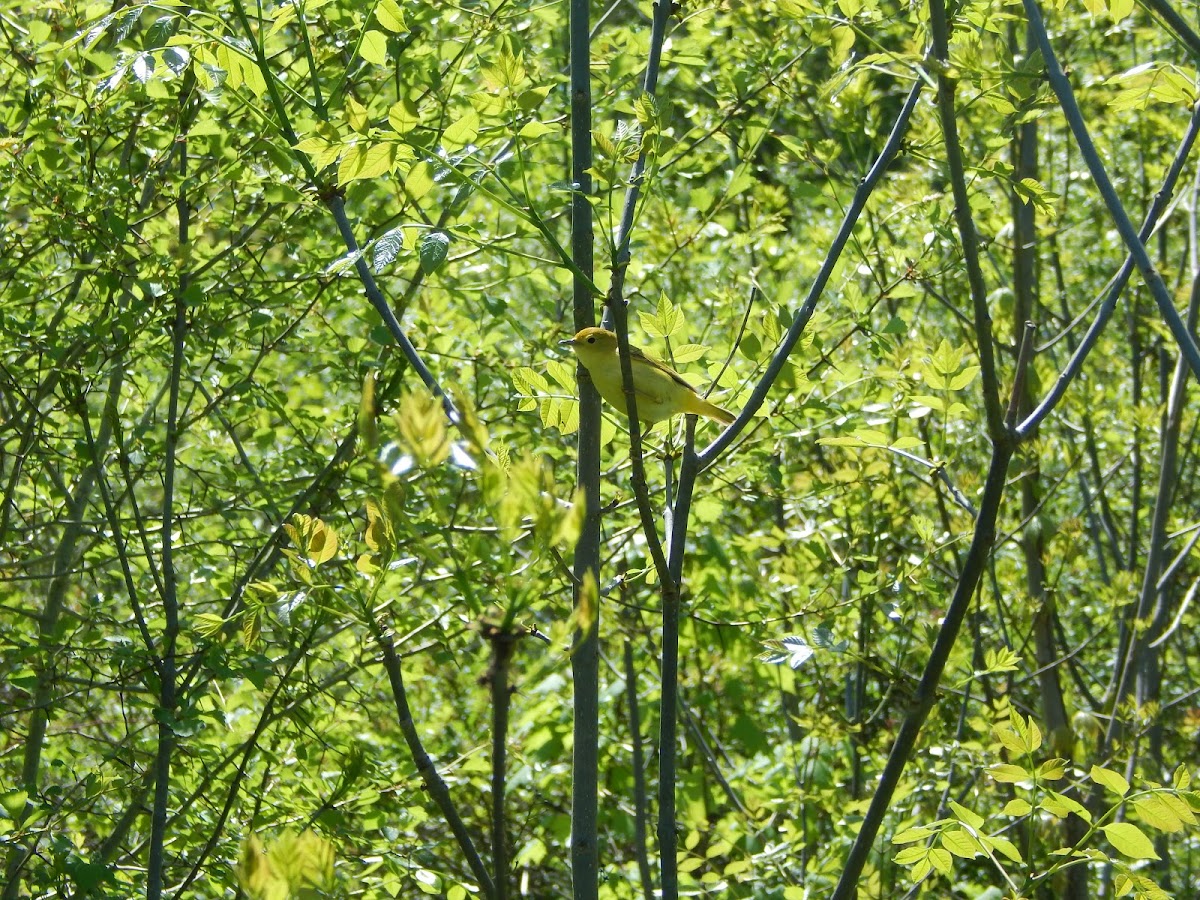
x=661, y=391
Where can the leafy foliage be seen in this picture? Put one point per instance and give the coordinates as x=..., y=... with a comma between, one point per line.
x=247, y=541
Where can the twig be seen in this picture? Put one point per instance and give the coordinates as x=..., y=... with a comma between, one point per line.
x=1161, y=200
x=640, y=815
x=757, y=397
x=425, y=768
x=1066, y=101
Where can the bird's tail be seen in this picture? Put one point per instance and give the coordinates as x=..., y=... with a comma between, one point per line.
x=711, y=410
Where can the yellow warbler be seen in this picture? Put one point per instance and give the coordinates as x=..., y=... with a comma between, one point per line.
x=661, y=391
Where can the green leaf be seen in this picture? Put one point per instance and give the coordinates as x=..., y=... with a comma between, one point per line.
x=964, y=378
x=529, y=381
x=1000, y=660
x=750, y=346
x=562, y=373
x=321, y=151
x=1178, y=807
x=668, y=320
x=13, y=803
x=645, y=107
x=793, y=650
x=387, y=248
x=433, y=249
x=508, y=71
x=208, y=624
x=358, y=116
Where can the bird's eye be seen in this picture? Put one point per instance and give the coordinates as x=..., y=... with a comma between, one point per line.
x=591, y=340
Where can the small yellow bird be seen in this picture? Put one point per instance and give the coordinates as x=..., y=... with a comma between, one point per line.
x=661, y=391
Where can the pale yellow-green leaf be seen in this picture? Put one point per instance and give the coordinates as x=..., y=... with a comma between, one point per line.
x=1009, y=774
x=1003, y=846
x=462, y=131
x=390, y=16
x=871, y=437
x=421, y=423
x=1052, y=769
x=646, y=109
x=960, y=843
x=908, y=835
x=1179, y=807
x=208, y=624
x=419, y=180
x=562, y=374
x=1017, y=807
x=1181, y=779
x=1129, y=840
x=284, y=15
x=686, y=353
x=910, y=855
x=256, y=874
x=534, y=130
x=261, y=592
x=1061, y=805
x=795, y=9
x=1119, y=9
x=366, y=161
x=1152, y=811
x=529, y=381
x=357, y=116
x=319, y=150
x=964, y=378
x=1110, y=780
x=323, y=543
x=941, y=860
x=668, y=317
x=403, y=116
x=965, y=815
x=841, y=441
x=374, y=47
x=843, y=43
x=251, y=628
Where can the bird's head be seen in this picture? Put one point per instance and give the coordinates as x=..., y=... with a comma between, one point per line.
x=592, y=343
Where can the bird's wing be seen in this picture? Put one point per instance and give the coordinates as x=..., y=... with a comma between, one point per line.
x=635, y=353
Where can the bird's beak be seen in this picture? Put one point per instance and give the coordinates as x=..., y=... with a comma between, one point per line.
x=567, y=343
